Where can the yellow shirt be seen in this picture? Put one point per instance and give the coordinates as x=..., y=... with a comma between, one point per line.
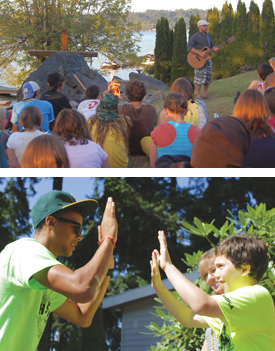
x=116, y=150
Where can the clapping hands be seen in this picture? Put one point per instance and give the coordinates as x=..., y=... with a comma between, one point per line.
x=159, y=259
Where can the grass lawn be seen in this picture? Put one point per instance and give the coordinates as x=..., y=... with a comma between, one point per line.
x=222, y=93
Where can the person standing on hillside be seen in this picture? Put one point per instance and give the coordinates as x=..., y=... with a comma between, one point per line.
x=203, y=75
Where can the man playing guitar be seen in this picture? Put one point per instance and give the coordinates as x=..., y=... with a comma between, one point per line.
x=203, y=75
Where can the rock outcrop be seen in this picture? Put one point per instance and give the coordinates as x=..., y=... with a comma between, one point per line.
x=76, y=72
x=149, y=81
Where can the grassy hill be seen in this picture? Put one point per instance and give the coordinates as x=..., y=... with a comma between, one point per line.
x=222, y=93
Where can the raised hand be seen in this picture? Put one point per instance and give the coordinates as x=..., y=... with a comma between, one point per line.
x=155, y=273
x=163, y=258
x=109, y=223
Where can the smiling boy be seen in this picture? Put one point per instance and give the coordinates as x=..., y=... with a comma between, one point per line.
x=243, y=317
x=34, y=283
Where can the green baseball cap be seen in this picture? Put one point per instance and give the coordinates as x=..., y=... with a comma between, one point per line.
x=56, y=200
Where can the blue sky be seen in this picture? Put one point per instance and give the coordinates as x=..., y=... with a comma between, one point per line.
x=143, y=5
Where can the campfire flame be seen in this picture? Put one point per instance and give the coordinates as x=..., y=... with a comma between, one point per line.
x=113, y=87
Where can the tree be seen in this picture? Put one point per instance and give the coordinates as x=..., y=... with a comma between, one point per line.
x=163, y=51
x=255, y=221
x=100, y=26
x=193, y=25
x=14, y=208
x=179, y=60
x=241, y=30
x=213, y=17
x=267, y=30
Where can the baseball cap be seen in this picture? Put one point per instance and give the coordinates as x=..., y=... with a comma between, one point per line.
x=202, y=23
x=29, y=89
x=107, y=109
x=56, y=200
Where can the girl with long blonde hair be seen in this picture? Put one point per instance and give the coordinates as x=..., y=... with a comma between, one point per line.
x=111, y=131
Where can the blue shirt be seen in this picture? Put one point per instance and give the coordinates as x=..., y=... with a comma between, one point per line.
x=181, y=145
x=44, y=106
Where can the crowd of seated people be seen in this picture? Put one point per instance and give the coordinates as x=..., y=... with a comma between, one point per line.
x=43, y=130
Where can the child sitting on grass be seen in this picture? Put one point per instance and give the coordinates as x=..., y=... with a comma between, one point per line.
x=243, y=317
x=111, y=131
x=175, y=137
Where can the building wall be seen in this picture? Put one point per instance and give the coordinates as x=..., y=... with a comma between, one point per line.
x=134, y=318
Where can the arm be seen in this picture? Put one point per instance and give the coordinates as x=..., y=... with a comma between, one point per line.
x=106, y=164
x=153, y=154
x=82, y=314
x=15, y=128
x=162, y=117
x=12, y=158
x=199, y=302
x=181, y=312
x=204, y=348
x=81, y=285
x=198, y=52
x=254, y=85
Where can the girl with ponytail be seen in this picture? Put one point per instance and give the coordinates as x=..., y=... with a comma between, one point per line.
x=176, y=136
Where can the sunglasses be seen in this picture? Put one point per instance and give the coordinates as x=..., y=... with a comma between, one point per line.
x=78, y=230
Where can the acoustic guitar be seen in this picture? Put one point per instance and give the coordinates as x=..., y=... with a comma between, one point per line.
x=196, y=61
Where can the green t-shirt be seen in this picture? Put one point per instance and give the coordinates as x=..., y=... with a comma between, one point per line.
x=249, y=323
x=25, y=304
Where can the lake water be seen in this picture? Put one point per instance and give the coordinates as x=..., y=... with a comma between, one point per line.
x=147, y=45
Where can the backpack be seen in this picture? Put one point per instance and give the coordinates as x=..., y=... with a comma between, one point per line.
x=192, y=115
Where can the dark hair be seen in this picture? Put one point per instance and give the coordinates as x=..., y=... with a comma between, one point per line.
x=31, y=117
x=175, y=102
x=269, y=95
x=183, y=86
x=71, y=124
x=45, y=151
x=264, y=70
x=135, y=90
x=243, y=249
x=92, y=91
x=251, y=107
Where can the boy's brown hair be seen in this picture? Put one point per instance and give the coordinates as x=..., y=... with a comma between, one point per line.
x=243, y=249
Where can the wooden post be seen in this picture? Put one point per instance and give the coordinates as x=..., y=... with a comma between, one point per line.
x=64, y=44
x=64, y=39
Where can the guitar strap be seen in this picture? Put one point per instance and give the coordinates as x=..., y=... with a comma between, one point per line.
x=208, y=40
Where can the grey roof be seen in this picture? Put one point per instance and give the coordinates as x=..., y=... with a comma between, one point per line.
x=140, y=293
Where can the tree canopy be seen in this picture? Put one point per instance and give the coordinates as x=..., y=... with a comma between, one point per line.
x=100, y=26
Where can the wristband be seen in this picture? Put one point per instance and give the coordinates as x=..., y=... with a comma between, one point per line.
x=110, y=272
x=110, y=238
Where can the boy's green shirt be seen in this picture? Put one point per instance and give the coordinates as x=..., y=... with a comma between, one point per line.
x=25, y=304
x=249, y=320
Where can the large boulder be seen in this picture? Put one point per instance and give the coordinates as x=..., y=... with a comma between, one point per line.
x=149, y=82
x=77, y=74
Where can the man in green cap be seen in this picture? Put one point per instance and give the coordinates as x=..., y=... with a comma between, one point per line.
x=34, y=283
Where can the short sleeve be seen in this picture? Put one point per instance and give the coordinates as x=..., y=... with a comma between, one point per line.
x=28, y=258
x=15, y=140
x=192, y=133
x=164, y=135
